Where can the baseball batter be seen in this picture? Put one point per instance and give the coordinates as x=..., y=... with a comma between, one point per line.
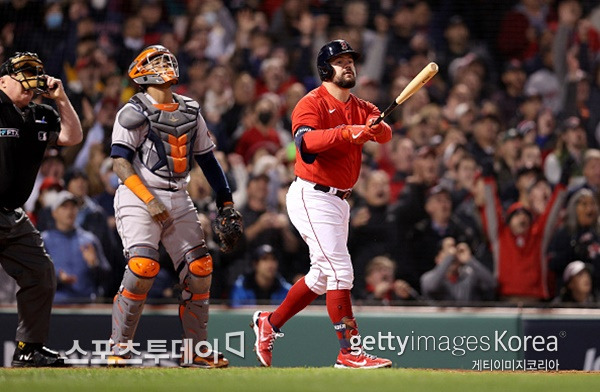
x=327, y=167
x=155, y=138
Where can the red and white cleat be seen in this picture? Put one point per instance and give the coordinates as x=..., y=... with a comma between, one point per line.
x=361, y=361
x=265, y=336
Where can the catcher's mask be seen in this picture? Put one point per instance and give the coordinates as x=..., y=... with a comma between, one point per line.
x=27, y=69
x=154, y=65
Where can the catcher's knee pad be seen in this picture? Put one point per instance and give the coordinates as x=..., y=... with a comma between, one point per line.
x=141, y=270
x=197, y=269
x=128, y=304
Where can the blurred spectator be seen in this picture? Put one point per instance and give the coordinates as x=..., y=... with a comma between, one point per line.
x=403, y=153
x=579, y=236
x=231, y=120
x=371, y=226
x=521, y=28
x=81, y=267
x=381, y=285
x=219, y=95
x=485, y=131
x=513, y=79
x=529, y=155
x=594, y=102
x=262, y=133
x=545, y=131
x=578, y=288
x=538, y=196
x=151, y=12
x=572, y=143
x=518, y=242
x=263, y=223
x=518, y=191
x=274, y=77
x=48, y=191
x=53, y=165
x=591, y=173
x=410, y=207
x=131, y=41
x=507, y=161
x=426, y=235
x=458, y=44
x=84, y=91
x=402, y=30
x=292, y=95
x=545, y=82
x=100, y=132
x=263, y=283
x=90, y=215
x=106, y=198
x=530, y=106
x=457, y=276
x=256, y=45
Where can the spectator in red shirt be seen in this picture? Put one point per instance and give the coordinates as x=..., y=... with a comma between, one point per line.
x=263, y=133
x=519, y=242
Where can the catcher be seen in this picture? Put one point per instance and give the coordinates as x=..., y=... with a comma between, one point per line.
x=155, y=137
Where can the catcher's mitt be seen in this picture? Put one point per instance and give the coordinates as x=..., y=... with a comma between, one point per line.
x=228, y=228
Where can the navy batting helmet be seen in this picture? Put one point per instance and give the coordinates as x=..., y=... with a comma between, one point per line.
x=328, y=52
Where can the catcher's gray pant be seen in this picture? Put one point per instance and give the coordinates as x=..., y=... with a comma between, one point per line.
x=183, y=238
x=23, y=257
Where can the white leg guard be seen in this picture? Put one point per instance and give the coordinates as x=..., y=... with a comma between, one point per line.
x=128, y=304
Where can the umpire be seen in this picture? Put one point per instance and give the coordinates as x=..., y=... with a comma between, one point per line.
x=26, y=129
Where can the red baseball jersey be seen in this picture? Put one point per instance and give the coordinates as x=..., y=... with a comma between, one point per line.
x=338, y=166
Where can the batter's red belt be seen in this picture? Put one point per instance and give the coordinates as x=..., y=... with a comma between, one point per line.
x=327, y=189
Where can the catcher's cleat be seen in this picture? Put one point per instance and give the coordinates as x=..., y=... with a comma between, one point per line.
x=118, y=360
x=361, y=361
x=208, y=361
x=36, y=355
x=265, y=336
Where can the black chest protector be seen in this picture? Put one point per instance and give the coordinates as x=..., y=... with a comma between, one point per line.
x=168, y=148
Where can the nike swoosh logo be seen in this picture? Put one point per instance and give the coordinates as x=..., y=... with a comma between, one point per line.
x=331, y=111
x=361, y=363
x=357, y=135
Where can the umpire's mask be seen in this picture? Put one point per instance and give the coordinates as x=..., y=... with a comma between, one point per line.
x=27, y=69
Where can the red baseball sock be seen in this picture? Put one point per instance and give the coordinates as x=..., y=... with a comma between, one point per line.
x=299, y=297
x=339, y=307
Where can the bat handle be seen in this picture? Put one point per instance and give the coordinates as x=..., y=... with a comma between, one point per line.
x=377, y=121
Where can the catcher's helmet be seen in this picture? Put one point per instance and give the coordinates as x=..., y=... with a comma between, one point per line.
x=328, y=52
x=154, y=65
x=27, y=69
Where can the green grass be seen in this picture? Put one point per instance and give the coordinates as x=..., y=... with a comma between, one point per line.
x=289, y=379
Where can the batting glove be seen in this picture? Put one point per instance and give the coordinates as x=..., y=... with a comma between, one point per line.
x=375, y=129
x=356, y=134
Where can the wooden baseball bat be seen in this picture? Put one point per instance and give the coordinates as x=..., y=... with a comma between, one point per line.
x=418, y=81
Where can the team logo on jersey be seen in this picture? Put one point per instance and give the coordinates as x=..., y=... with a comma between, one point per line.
x=42, y=136
x=42, y=121
x=173, y=118
x=9, y=132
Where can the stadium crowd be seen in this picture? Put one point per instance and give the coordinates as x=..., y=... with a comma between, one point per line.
x=489, y=189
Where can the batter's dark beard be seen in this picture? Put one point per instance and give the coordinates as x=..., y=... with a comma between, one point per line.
x=344, y=83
